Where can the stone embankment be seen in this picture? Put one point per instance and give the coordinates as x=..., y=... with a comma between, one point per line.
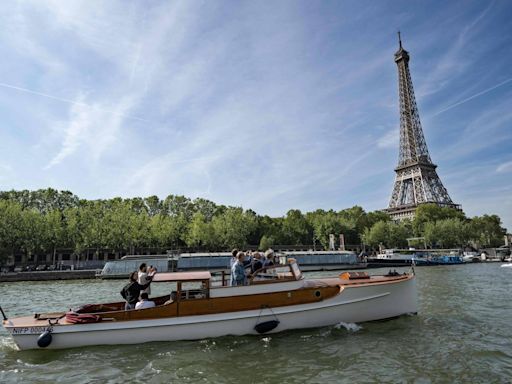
x=48, y=275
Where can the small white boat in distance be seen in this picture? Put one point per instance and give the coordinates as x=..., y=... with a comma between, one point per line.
x=276, y=298
x=471, y=257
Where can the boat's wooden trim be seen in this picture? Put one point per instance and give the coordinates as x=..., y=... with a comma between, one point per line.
x=251, y=302
x=207, y=306
x=373, y=280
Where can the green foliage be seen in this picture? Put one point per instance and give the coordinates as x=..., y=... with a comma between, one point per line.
x=295, y=228
x=487, y=230
x=388, y=234
x=40, y=222
x=446, y=233
x=430, y=213
x=329, y=222
x=266, y=242
x=201, y=233
x=233, y=227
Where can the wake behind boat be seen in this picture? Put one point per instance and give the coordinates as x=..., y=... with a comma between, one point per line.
x=277, y=298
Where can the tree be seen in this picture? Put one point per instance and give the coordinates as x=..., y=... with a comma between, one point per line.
x=388, y=234
x=426, y=213
x=166, y=231
x=266, y=242
x=295, y=228
x=11, y=227
x=201, y=233
x=375, y=216
x=376, y=235
x=356, y=220
x=178, y=205
x=207, y=208
x=487, y=230
x=153, y=205
x=233, y=228
x=325, y=223
x=54, y=232
x=446, y=233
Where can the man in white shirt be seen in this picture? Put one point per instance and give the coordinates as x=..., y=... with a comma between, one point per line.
x=144, y=302
x=143, y=277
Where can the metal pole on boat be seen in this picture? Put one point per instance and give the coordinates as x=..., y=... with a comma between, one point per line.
x=3, y=313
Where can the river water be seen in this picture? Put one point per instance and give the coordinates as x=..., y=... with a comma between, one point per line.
x=462, y=334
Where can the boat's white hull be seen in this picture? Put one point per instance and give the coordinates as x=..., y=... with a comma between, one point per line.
x=353, y=305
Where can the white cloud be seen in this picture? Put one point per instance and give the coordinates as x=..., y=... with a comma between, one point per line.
x=390, y=139
x=455, y=60
x=505, y=167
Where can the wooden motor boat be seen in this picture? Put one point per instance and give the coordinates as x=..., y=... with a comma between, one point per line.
x=276, y=298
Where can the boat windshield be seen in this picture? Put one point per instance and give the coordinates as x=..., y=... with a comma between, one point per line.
x=273, y=273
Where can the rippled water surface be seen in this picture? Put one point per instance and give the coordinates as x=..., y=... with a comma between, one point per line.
x=462, y=334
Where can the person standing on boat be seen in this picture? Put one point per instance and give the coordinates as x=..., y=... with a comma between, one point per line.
x=143, y=278
x=234, y=252
x=256, y=262
x=131, y=291
x=269, y=258
x=238, y=271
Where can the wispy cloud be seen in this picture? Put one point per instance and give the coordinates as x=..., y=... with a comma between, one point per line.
x=72, y=102
x=389, y=140
x=505, y=167
x=453, y=61
x=473, y=97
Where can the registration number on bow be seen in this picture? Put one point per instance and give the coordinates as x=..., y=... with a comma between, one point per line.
x=28, y=330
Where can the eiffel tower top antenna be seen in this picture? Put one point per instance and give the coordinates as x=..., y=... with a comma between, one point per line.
x=399, y=39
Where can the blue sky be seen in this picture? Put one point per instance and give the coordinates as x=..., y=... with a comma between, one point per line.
x=270, y=105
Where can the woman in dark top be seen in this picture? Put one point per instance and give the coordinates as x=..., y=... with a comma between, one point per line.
x=131, y=291
x=256, y=262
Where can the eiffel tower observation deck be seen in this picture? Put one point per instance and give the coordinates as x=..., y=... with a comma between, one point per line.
x=416, y=180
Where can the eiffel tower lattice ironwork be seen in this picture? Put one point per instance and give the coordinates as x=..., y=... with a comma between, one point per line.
x=416, y=180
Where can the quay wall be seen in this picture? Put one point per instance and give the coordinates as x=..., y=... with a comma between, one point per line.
x=47, y=275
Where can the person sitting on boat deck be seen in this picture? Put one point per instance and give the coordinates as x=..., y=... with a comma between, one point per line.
x=234, y=252
x=269, y=258
x=131, y=291
x=256, y=262
x=144, y=302
x=238, y=271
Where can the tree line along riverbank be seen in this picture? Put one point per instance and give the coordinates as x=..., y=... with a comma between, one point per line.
x=41, y=222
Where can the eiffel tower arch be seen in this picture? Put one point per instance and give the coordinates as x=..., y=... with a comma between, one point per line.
x=416, y=180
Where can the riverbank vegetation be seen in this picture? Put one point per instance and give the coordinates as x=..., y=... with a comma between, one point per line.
x=42, y=221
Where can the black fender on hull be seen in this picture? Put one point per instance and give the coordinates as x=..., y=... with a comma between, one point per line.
x=266, y=326
x=45, y=339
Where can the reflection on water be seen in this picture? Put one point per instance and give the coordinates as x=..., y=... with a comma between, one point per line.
x=461, y=334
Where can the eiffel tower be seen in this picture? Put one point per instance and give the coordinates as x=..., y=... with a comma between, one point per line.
x=416, y=180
